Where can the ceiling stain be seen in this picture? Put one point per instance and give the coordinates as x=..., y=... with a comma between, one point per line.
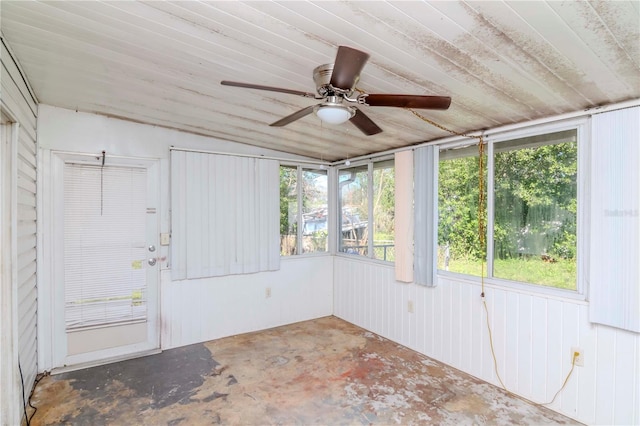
x=161, y=64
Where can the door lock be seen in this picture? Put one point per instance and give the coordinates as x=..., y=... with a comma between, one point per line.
x=152, y=261
x=152, y=248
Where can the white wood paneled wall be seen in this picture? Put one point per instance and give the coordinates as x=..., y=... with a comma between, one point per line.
x=191, y=310
x=210, y=308
x=533, y=335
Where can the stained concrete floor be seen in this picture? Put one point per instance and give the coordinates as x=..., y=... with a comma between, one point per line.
x=324, y=371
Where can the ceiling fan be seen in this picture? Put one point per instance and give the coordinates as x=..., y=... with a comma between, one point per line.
x=335, y=85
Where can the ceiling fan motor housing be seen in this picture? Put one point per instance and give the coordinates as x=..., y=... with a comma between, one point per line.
x=322, y=78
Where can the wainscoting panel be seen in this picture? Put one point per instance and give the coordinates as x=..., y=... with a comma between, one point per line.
x=210, y=308
x=532, y=337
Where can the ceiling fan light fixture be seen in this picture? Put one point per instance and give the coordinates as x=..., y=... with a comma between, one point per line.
x=334, y=114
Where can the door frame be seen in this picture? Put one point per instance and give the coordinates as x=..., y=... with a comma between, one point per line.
x=10, y=391
x=56, y=343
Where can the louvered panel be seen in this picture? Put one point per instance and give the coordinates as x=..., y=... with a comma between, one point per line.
x=26, y=199
x=26, y=256
x=27, y=349
x=532, y=337
x=27, y=228
x=21, y=98
x=27, y=271
x=26, y=213
x=27, y=291
x=12, y=95
x=26, y=242
x=19, y=103
x=29, y=308
x=27, y=149
x=26, y=185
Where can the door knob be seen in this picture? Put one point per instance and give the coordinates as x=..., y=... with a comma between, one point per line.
x=152, y=248
x=152, y=261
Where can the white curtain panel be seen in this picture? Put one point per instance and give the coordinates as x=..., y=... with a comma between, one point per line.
x=225, y=215
x=614, y=283
x=404, y=216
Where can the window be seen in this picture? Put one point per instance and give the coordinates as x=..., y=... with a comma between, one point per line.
x=288, y=210
x=367, y=210
x=532, y=200
x=303, y=200
x=458, y=194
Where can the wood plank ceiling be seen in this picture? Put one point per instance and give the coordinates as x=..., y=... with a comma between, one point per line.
x=162, y=62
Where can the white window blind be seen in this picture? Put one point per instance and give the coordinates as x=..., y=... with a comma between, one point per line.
x=614, y=264
x=425, y=187
x=225, y=215
x=104, y=245
x=403, y=217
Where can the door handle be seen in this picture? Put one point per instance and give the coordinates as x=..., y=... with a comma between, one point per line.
x=152, y=261
x=152, y=248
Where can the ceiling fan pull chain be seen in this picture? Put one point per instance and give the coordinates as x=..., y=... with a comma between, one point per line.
x=441, y=127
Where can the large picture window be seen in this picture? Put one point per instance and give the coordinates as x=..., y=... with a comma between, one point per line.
x=367, y=208
x=532, y=205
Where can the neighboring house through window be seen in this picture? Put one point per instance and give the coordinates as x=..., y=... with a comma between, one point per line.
x=303, y=200
x=366, y=219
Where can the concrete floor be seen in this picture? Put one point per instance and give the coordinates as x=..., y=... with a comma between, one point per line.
x=324, y=371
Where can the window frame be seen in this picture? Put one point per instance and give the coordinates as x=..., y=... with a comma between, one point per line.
x=369, y=162
x=583, y=202
x=300, y=167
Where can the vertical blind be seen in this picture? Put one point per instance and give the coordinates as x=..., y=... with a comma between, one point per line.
x=614, y=266
x=225, y=215
x=104, y=245
x=426, y=215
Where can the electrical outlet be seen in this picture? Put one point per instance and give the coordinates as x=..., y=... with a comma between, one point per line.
x=267, y=292
x=410, y=306
x=579, y=356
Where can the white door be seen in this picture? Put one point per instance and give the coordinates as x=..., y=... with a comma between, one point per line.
x=107, y=266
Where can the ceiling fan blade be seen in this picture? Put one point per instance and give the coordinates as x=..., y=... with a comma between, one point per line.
x=409, y=101
x=293, y=117
x=269, y=88
x=364, y=123
x=346, y=69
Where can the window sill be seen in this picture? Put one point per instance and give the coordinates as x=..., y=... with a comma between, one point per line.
x=514, y=286
x=306, y=255
x=366, y=259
